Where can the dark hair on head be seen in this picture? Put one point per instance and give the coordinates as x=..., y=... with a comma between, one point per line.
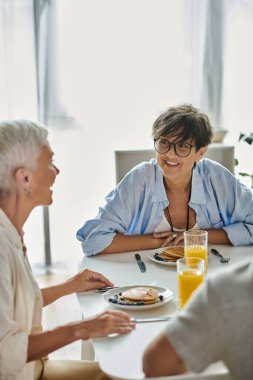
x=184, y=122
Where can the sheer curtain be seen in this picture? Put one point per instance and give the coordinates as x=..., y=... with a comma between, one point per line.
x=17, y=64
x=206, y=22
x=51, y=110
x=30, y=86
x=238, y=81
x=18, y=90
x=219, y=35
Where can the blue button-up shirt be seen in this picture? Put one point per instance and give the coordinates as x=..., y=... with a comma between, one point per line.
x=136, y=205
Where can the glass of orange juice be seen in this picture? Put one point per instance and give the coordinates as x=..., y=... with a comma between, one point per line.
x=196, y=244
x=190, y=274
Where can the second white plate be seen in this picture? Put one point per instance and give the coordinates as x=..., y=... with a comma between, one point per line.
x=167, y=263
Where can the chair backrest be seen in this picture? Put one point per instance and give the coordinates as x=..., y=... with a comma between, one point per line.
x=125, y=160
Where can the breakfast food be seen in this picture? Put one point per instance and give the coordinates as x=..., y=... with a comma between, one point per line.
x=137, y=296
x=144, y=294
x=170, y=254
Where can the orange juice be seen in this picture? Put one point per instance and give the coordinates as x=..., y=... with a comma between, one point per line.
x=196, y=251
x=188, y=281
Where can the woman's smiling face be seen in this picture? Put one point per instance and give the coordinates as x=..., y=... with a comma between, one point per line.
x=43, y=177
x=175, y=167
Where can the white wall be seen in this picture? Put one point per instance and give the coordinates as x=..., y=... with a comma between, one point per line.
x=126, y=66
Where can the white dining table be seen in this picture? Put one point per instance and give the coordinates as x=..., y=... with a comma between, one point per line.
x=121, y=356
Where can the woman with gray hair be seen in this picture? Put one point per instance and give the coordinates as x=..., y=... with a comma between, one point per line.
x=27, y=173
x=179, y=190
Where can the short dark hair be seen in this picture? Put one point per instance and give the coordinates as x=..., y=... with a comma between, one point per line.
x=185, y=122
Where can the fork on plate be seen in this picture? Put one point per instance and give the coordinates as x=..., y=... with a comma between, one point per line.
x=223, y=260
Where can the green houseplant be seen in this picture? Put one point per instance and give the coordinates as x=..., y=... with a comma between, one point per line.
x=249, y=140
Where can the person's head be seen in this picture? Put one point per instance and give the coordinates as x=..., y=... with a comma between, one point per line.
x=25, y=159
x=184, y=123
x=181, y=136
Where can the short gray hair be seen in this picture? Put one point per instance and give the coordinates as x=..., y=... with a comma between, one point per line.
x=20, y=144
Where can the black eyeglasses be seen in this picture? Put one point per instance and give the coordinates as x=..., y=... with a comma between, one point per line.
x=181, y=149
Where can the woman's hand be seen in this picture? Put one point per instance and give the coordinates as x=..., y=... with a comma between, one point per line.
x=81, y=282
x=108, y=322
x=87, y=280
x=170, y=238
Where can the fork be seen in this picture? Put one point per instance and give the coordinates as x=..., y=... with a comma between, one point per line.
x=223, y=259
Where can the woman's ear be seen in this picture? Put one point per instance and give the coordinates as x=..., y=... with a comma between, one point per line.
x=22, y=178
x=201, y=152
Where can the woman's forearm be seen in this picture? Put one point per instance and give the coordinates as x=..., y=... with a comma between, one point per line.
x=44, y=343
x=101, y=325
x=54, y=292
x=126, y=243
x=218, y=237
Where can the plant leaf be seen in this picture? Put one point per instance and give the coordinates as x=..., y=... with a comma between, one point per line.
x=249, y=140
x=241, y=136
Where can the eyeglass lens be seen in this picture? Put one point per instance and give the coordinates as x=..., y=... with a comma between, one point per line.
x=181, y=149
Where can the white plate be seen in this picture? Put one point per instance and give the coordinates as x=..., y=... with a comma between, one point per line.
x=167, y=263
x=167, y=296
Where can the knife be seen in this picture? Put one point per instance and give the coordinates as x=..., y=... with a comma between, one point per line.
x=146, y=320
x=141, y=263
x=105, y=289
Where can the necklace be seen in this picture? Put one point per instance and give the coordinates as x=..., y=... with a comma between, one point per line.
x=168, y=217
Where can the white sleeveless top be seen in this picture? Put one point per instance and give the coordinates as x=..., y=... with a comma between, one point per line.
x=164, y=226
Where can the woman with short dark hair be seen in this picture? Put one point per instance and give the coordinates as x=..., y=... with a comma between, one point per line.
x=158, y=200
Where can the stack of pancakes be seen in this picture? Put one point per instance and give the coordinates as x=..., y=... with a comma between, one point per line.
x=172, y=253
x=143, y=294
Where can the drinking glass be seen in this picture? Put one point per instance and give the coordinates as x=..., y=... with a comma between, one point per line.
x=196, y=244
x=190, y=274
